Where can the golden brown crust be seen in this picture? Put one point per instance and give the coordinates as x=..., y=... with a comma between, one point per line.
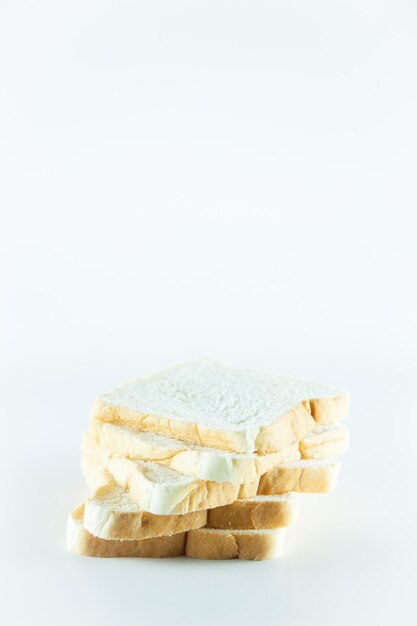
x=255, y=514
x=138, y=525
x=329, y=410
x=325, y=450
x=301, y=477
x=201, y=543
x=185, y=431
x=220, y=545
x=288, y=429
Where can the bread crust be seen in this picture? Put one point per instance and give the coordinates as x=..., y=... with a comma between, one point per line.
x=325, y=450
x=101, y=521
x=256, y=513
x=324, y=442
x=220, y=545
x=301, y=476
x=329, y=410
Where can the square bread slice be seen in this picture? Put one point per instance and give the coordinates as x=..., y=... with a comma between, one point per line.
x=82, y=542
x=203, y=462
x=253, y=545
x=304, y=476
x=238, y=410
x=111, y=514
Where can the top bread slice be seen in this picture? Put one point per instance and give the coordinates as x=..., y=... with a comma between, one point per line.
x=238, y=410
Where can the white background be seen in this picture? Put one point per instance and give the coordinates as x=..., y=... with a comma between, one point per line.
x=234, y=179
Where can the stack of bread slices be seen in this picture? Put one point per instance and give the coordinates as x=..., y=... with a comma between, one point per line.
x=206, y=461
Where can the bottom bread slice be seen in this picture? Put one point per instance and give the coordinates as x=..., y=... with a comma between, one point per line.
x=215, y=544
x=82, y=542
x=305, y=476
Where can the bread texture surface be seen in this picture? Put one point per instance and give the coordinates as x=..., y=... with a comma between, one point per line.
x=207, y=403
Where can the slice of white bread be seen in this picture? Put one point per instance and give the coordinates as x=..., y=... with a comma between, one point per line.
x=253, y=545
x=112, y=515
x=324, y=441
x=304, y=476
x=207, y=403
x=82, y=542
x=209, y=463
x=156, y=488
x=160, y=490
x=192, y=459
x=205, y=543
x=258, y=512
